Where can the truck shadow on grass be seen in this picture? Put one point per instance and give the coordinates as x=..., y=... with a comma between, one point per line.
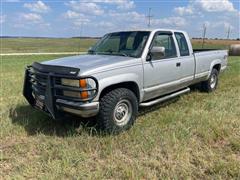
x=36, y=122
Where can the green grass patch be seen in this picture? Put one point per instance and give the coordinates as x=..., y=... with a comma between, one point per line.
x=40, y=45
x=194, y=136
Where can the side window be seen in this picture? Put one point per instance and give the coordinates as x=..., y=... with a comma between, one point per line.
x=130, y=42
x=182, y=44
x=166, y=41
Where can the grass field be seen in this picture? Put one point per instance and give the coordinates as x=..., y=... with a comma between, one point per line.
x=28, y=45
x=196, y=135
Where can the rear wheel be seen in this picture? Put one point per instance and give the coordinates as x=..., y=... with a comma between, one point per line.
x=211, y=84
x=118, y=110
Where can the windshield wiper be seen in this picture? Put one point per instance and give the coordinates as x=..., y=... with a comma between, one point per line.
x=91, y=51
x=122, y=54
x=109, y=53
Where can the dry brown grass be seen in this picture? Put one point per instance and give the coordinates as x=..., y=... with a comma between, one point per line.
x=214, y=44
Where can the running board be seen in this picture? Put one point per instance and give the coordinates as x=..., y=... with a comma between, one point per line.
x=164, y=98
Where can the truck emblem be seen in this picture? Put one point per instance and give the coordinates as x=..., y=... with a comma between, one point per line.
x=73, y=72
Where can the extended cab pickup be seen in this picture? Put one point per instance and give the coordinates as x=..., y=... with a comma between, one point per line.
x=123, y=71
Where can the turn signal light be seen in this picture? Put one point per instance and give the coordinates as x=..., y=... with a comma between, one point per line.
x=84, y=95
x=83, y=83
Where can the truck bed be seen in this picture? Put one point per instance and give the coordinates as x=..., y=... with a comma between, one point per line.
x=204, y=59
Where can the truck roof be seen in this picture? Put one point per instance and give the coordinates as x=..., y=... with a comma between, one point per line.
x=150, y=30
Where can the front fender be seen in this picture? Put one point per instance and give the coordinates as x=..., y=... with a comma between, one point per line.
x=116, y=79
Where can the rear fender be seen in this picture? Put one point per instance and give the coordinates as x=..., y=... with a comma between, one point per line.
x=214, y=62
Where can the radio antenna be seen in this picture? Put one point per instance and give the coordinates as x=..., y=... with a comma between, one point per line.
x=204, y=34
x=149, y=16
x=228, y=32
x=80, y=34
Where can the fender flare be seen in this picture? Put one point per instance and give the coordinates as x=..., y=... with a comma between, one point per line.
x=117, y=79
x=213, y=63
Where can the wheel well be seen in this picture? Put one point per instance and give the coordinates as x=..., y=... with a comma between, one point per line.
x=217, y=67
x=128, y=85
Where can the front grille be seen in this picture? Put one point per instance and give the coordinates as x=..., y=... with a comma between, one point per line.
x=46, y=81
x=42, y=87
x=39, y=81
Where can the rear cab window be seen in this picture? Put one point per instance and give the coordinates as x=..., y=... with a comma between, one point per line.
x=182, y=44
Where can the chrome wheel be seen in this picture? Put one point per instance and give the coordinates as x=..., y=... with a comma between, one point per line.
x=122, y=112
x=213, y=81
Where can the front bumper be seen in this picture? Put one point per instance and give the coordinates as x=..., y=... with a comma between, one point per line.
x=43, y=92
x=83, y=110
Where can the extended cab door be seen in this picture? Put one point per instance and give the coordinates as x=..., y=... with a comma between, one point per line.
x=161, y=73
x=186, y=59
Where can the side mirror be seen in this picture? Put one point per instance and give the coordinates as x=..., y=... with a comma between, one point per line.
x=158, y=51
x=90, y=50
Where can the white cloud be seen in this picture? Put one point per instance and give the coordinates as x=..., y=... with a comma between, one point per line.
x=223, y=25
x=2, y=19
x=76, y=18
x=72, y=15
x=87, y=8
x=30, y=21
x=32, y=17
x=189, y=10
x=105, y=25
x=197, y=7
x=136, y=20
x=215, y=5
x=80, y=22
x=120, y=4
x=169, y=22
x=125, y=5
x=38, y=7
x=85, y=12
x=132, y=16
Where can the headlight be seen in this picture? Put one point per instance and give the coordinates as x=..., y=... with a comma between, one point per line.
x=70, y=82
x=84, y=84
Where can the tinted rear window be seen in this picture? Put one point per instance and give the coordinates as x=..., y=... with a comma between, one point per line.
x=182, y=44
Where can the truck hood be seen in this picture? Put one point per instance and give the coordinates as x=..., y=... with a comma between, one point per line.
x=93, y=63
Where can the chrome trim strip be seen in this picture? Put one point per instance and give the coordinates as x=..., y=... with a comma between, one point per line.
x=168, y=84
x=150, y=103
x=202, y=74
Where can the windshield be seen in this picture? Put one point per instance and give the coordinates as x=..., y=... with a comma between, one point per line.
x=121, y=44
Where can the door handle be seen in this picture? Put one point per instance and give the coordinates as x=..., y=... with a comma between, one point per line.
x=178, y=64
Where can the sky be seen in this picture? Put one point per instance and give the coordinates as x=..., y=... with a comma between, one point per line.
x=56, y=18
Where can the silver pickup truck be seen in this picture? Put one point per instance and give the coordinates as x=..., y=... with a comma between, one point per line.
x=123, y=71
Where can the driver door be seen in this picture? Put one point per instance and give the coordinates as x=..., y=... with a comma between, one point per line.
x=162, y=72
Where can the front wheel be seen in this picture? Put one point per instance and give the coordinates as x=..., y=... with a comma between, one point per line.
x=211, y=84
x=118, y=110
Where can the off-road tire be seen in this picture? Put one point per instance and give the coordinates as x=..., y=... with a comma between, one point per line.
x=106, y=118
x=207, y=86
